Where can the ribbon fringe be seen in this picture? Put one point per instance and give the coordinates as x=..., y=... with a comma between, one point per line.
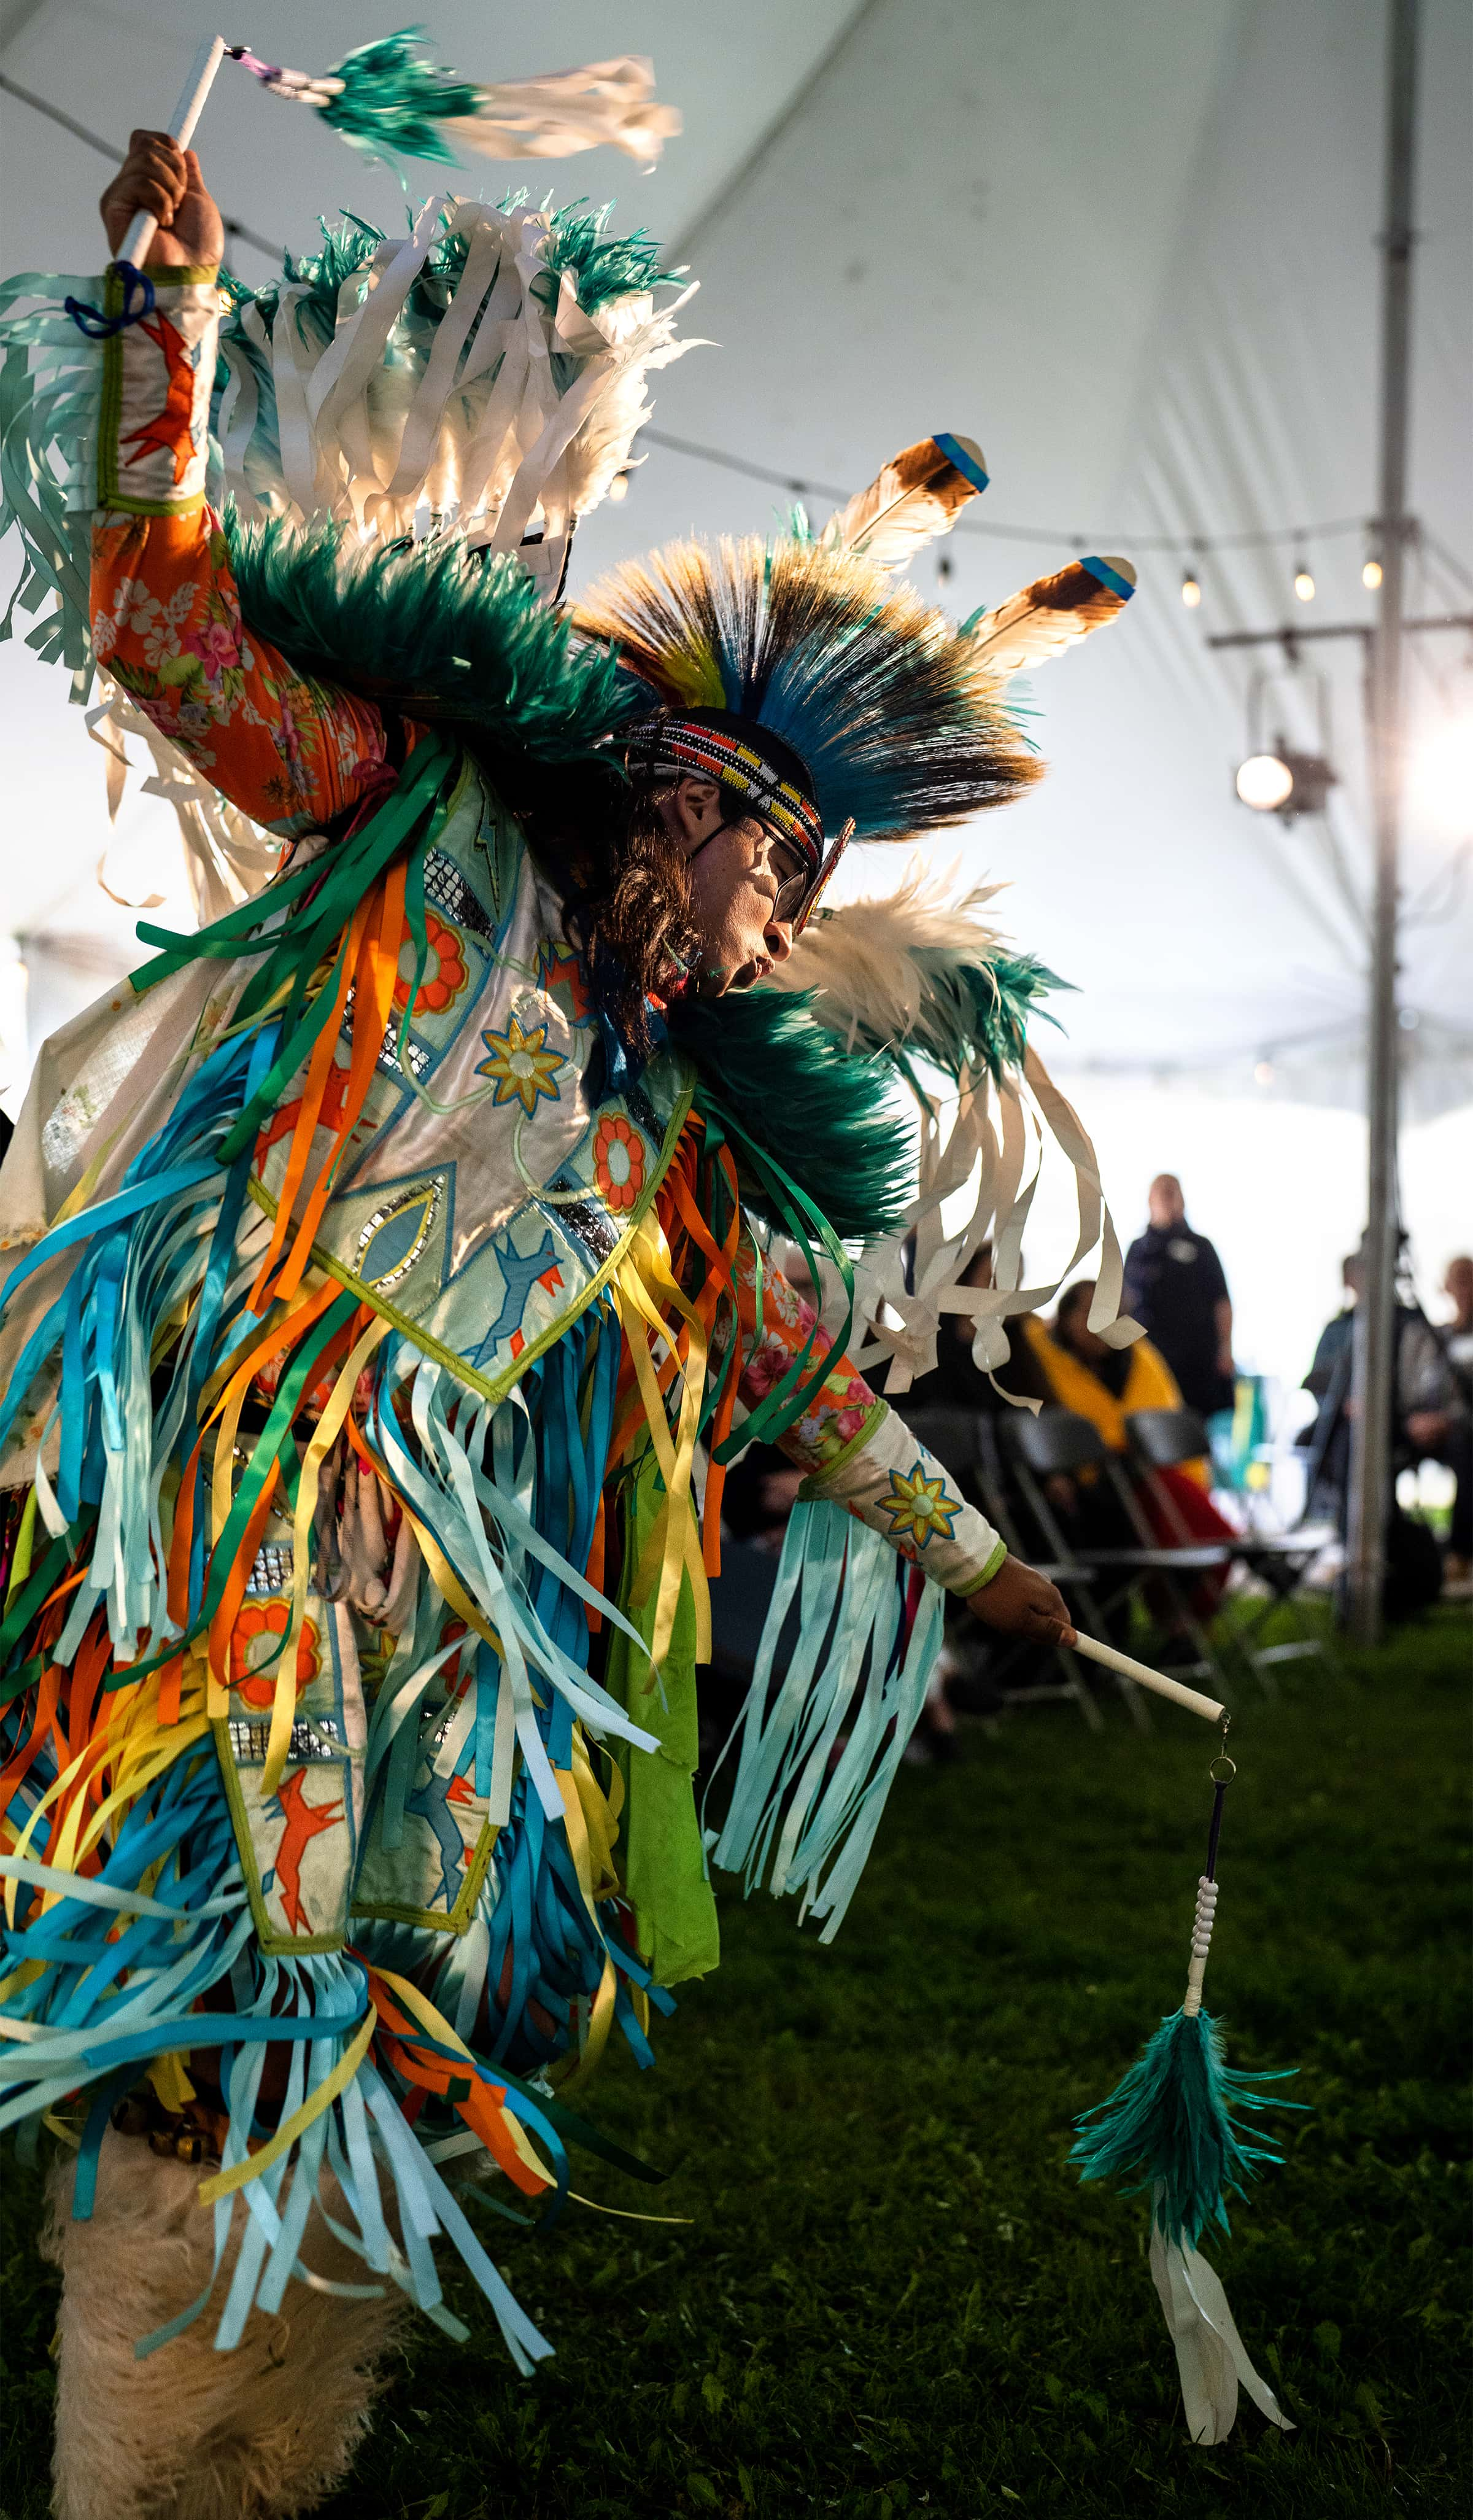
x=822, y=1735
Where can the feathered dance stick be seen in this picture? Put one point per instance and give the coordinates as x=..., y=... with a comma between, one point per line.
x=1173, y=2122
x=389, y=99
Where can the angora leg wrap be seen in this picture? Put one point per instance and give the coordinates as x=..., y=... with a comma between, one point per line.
x=189, y=2434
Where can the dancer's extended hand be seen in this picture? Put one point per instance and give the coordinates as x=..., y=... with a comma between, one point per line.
x=1021, y=1603
x=163, y=179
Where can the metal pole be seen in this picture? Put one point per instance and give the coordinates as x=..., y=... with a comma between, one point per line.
x=1371, y=1497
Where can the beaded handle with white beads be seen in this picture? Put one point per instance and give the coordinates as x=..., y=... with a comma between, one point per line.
x=1207, y=1883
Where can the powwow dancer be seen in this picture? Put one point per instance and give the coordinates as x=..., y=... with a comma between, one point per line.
x=385, y=1250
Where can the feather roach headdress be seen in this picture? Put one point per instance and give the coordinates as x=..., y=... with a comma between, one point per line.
x=833, y=699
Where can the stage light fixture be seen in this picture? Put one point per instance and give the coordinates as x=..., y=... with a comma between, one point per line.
x=1285, y=783
x=1191, y=591
x=1371, y=574
x=1304, y=583
x=1264, y=782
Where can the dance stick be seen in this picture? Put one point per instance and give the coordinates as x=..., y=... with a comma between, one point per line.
x=196, y=88
x=1130, y=1669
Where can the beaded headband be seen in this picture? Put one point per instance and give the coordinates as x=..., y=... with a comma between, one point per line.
x=679, y=746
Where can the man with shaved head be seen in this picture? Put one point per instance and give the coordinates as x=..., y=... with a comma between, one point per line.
x=1175, y=1288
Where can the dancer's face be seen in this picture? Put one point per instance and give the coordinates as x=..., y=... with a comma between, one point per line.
x=738, y=873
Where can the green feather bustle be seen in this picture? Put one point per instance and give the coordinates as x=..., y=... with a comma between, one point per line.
x=1172, y=2121
x=468, y=632
x=827, y=1116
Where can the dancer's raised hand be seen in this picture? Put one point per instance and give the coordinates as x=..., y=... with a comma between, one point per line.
x=163, y=179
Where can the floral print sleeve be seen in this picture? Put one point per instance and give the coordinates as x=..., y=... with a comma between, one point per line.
x=855, y=1451
x=167, y=618
x=841, y=1407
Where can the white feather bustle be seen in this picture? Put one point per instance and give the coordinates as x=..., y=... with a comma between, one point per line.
x=865, y=960
x=461, y=421
x=874, y=965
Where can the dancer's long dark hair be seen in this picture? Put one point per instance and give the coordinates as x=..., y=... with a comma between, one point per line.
x=623, y=881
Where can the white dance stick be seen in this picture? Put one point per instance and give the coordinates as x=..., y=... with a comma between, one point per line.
x=1129, y=1669
x=196, y=88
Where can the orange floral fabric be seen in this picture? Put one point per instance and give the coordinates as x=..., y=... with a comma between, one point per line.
x=167, y=622
x=167, y=625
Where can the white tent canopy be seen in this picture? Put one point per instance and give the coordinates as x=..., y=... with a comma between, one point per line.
x=1131, y=250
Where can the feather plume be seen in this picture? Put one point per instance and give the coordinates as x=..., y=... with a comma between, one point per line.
x=391, y=101
x=1048, y=617
x=917, y=972
x=919, y=495
x=897, y=721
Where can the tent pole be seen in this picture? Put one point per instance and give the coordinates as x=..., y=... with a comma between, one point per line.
x=1374, y=1367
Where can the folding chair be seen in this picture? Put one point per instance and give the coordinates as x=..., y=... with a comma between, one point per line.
x=1163, y=1439
x=997, y=1496
x=1057, y=1443
x=957, y=1438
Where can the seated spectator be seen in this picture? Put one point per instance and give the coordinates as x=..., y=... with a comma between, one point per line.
x=1104, y=1385
x=1107, y=1386
x=959, y=1382
x=1176, y=1289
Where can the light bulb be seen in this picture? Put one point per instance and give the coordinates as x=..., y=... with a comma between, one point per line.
x=1263, y=1073
x=618, y=487
x=1370, y=575
x=1304, y=584
x=1264, y=782
x=1192, y=592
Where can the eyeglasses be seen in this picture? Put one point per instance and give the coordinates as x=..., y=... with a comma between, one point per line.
x=795, y=875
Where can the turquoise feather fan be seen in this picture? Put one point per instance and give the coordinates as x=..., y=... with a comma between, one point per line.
x=1178, y=2127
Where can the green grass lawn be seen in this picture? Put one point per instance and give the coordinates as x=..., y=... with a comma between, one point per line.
x=893, y=2296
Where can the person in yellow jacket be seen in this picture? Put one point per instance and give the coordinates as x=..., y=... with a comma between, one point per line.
x=1104, y=1385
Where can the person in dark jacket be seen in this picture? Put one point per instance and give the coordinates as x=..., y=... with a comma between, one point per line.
x=1176, y=1289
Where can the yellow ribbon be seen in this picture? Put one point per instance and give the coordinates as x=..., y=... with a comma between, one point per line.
x=325, y=1436
x=674, y=1543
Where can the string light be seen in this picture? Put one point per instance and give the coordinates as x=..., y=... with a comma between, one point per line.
x=1191, y=590
x=1254, y=538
